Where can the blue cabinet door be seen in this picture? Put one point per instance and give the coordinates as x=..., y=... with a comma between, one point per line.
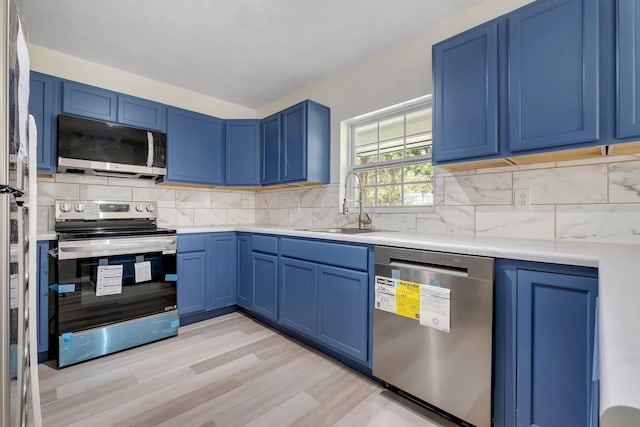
x=343, y=310
x=271, y=150
x=44, y=105
x=553, y=74
x=304, y=143
x=465, y=106
x=191, y=282
x=555, y=348
x=89, y=101
x=221, y=268
x=242, y=152
x=43, y=299
x=141, y=113
x=294, y=144
x=195, y=149
x=264, y=269
x=628, y=78
x=244, y=270
x=298, y=295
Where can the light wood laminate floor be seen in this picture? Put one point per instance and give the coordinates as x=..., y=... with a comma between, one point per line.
x=227, y=371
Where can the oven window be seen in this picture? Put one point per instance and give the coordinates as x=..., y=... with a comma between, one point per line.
x=149, y=290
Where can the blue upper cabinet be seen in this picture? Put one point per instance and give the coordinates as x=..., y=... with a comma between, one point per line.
x=242, y=145
x=466, y=95
x=141, y=113
x=556, y=322
x=305, y=143
x=553, y=74
x=96, y=103
x=271, y=132
x=628, y=68
x=89, y=101
x=44, y=105
x=526, y=82
x=195, y=148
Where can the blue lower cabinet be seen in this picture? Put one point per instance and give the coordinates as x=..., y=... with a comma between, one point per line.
x=343, y=310
x=221, y=265
x=545, y=356
x=264, y=269
x=206, y=272
x=555, y=346
x=298, y=295
x=191, y=281
x=243, y=246
x=43, y=299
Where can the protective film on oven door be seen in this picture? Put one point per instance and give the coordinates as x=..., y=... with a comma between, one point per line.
x=93, y=292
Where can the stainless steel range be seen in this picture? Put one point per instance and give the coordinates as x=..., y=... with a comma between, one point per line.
x=114, y=280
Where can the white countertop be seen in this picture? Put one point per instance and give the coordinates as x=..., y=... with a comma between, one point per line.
x=619, y=295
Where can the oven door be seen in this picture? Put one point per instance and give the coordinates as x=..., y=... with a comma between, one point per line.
x=95, y=287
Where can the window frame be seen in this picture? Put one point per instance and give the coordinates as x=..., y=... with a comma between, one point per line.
x=376, y=117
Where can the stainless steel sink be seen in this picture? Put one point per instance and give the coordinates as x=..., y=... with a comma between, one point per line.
x=338, y=230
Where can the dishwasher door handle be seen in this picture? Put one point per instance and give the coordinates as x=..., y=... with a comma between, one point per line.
x=428, y=268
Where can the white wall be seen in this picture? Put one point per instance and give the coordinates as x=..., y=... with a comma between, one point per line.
x=73, y=68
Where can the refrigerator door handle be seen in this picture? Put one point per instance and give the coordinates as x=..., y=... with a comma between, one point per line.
x=7, y=189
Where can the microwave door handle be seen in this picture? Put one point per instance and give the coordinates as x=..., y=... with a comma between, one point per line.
x=149, y=149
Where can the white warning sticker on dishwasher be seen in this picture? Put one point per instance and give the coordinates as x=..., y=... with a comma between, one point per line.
x=435, y=307
x=385, y=294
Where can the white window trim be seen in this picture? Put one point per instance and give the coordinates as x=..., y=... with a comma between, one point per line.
x=347, y=134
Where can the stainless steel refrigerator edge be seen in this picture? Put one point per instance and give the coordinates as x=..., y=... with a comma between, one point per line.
x=14, y=240
x=449, y=370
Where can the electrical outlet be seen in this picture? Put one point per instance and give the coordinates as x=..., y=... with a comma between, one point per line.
x=522, y=198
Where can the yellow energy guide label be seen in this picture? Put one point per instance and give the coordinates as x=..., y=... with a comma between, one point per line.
x=428, y=304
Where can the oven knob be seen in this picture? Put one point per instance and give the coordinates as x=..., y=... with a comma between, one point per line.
x=139, y=208
x=66, y=207
x=79, y=207
x=150, y=208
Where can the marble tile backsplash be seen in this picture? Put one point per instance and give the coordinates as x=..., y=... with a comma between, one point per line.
x=177, y=206
x=591, y=200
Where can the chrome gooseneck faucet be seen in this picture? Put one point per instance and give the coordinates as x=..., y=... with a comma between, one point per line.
x=364, y=219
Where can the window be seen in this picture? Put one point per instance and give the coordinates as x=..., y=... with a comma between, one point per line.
x=391, y=153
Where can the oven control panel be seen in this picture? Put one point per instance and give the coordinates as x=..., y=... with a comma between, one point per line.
x=94, y=210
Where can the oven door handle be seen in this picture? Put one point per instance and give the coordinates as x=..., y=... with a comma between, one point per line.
x=112, y=248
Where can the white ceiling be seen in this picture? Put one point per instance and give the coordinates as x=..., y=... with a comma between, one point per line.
x=249, y=52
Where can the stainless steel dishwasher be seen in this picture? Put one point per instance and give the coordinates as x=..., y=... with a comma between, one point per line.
x=433, y=328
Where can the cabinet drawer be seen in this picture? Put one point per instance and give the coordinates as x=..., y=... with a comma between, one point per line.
x=267, y=244
x=348, y=256
x=191, y=243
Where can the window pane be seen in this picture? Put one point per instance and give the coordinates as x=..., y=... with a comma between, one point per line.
x=368, y=178
x=366, y=154
x=390, y=175
x=419, y=145
x=369, y=196
x=366, y=134
x=393, y=149
x=390, y=195
x=419, y=121
x=392, y=128
x=419, y=172
x=418, y=194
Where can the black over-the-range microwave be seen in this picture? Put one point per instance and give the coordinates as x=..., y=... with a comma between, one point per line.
x=109, y=149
